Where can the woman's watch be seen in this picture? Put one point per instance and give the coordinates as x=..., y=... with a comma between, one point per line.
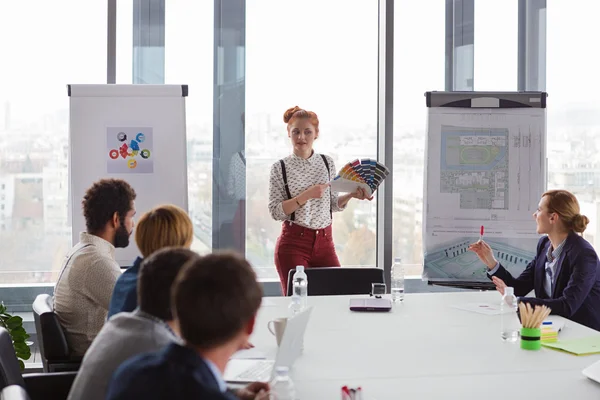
x=297, y=202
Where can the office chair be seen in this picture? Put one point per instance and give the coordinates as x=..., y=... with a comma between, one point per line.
x=39, y=386
x=10, y=372
x=338, y=280
x=54, y=349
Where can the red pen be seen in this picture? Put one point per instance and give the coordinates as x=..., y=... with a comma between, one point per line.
x=481, y=233
x=345, y=393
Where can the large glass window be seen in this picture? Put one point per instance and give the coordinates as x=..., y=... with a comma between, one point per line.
x=495, y=53
x=124, y=46
x=574, y=106
x=321, y=56
x=45, y=46
x=418, y=67
x=186, y=22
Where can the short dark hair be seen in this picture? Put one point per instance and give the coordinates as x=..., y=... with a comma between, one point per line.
x=156, y=277
x=214, y=297
x=103, y=199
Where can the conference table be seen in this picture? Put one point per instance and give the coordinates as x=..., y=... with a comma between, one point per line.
x=425, y=348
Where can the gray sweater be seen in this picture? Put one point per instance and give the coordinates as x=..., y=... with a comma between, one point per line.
x=122, y=337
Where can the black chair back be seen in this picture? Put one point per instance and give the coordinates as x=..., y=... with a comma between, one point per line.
x=10, y=372
x=49, y=386
x=338, y=280
x=53, y=344
x=14, y=392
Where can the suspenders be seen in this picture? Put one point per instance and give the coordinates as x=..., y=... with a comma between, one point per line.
x=287, y=188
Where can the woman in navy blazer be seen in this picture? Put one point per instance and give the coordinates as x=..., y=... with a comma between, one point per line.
x=565, y=272
x=163, y=226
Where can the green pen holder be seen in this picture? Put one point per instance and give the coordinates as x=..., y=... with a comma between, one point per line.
x=531, y=338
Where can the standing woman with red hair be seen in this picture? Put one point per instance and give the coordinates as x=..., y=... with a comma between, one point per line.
x=300, y=196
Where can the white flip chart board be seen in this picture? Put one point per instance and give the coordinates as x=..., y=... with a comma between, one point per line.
x=485, y=166
x=132, y=132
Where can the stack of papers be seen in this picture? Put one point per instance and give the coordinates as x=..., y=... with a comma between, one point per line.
x=578, y=347
x=549, y=335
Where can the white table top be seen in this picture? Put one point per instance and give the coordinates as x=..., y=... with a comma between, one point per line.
x=424, y=349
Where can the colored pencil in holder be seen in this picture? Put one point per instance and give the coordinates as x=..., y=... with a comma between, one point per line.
x=531, y=321
x=531, y=338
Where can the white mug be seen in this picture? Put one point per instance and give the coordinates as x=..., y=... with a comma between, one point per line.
x=277, y=327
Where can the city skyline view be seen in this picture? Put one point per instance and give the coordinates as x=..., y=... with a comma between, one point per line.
x=305, y=64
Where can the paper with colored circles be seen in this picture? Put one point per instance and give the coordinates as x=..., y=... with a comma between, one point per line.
x=129, y=150
x=363, y=173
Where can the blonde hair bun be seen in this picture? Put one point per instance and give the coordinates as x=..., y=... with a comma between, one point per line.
x=580, y=222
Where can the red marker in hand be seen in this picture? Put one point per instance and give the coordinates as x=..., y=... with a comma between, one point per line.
x=481, y=233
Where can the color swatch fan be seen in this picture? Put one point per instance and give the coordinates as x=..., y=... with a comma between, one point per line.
x=366, y=173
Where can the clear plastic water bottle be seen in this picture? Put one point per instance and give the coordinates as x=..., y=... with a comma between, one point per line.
x=295, y=305
x=301, y=285
x=510, y=325
x=282, y=387
x=397, y=286
x=294, y=308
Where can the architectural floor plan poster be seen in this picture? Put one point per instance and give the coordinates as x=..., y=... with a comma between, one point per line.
x=485, y=167
x=129, y=150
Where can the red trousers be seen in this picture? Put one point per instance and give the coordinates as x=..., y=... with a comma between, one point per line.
x=303, y=246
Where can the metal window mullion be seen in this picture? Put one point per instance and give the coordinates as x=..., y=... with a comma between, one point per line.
x=460, y=42
x=148, y=41
x=532, y=45
x=111, y=42
x=385, y=142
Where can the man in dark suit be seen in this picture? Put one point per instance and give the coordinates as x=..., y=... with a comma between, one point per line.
x=565, y=272
x=215, y=301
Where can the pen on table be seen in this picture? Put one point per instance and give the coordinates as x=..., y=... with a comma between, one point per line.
x=345, y=393
x=359, y=393
x=352, y=394
x=481, y=233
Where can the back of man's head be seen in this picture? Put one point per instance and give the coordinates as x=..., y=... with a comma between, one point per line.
x=215, y=300
x=156, y=277
x=105, y=198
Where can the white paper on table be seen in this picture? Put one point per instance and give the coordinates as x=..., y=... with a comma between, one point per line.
x=593, y=371
x=480, y=308
x=249, y=354
x=558, y=323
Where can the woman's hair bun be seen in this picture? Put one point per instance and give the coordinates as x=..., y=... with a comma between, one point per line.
x=289, y=113
x=580, y=222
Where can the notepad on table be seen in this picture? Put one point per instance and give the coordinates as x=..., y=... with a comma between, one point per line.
x=549, y=335
x=578, y=347
x=480, y=308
